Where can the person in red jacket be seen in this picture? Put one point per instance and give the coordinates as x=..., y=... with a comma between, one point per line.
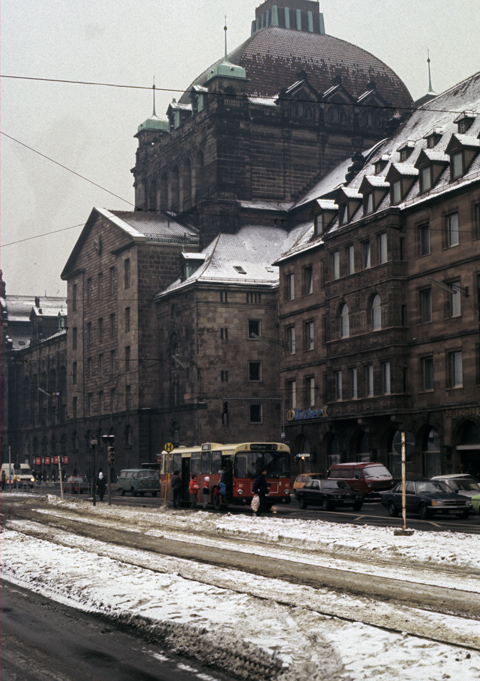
x=193, y=488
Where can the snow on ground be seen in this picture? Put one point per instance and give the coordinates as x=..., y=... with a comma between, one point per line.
x=203, y=609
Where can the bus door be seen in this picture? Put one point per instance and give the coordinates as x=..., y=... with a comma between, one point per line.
x=185, y=473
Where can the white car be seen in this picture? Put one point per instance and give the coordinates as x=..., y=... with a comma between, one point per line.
x=461, y=483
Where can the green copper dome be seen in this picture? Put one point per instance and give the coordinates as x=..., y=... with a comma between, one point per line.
x=154, y=123
x=227, y=70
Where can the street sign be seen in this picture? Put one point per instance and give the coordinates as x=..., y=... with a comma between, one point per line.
x=409, y=442
x=168, y=447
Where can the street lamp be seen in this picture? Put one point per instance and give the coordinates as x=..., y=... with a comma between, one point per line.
x=109, y=442
x=93, y=444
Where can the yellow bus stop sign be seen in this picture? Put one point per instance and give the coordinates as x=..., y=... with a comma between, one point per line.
x=169, y=447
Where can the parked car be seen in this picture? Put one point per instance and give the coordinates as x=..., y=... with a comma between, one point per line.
x=476, y=504
x=328, y=494
x=138, y=481
x=427, y=498
x=76, y=484
x=303, y=478
x=460, y=483
x=366, y=477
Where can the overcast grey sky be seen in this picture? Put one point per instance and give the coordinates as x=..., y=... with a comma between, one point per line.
x=126, y=42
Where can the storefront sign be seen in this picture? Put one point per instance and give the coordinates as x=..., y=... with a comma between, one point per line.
x=305, y=414
x=38, y=461
x=47, y=461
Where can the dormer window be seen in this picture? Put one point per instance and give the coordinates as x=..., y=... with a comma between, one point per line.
x=239, y=269
x=406, y=150
x=433, y=138
x=380, y=165
x=319, y=224
x=462, y=150
x=457, y=165
x=368, y=205
x=425, y=179
x=327, y=211
x=374, y=189
x=401, y=178
x=396, y=191
x=464, y=121
x=343, y=214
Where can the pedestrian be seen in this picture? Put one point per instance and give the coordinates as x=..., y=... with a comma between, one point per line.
x=101, y=485
x=4, y=477
x=206, y=491
x=193, y=489
x=176, y=483
x=260, y=487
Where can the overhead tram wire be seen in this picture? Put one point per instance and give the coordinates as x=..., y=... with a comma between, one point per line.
x=216, y=94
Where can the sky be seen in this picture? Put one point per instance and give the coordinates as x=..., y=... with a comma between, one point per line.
x=306, y=629
x=89, y=129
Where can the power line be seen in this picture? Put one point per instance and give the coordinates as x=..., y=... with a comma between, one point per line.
x=390, y=107
x=38, y=236
x=65, y=167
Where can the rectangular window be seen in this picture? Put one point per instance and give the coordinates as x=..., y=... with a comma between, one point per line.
x=404, y=315
x=425, y=305
x=427, y=373
x=113, y=362
x=74, y=298
x=90, y=404
x=424, y=239
x=126, y=272
x=224, y=376
x=74, y=373
x=451, y=225
x=455, y=302
x=89, y=290
x=336, y=265
x=127, y=358
x=386, y=378
x=457, y=165
x=310, y=391
x=127, y=319
x=366, y=255
x=100, y=285
x=309, y=336
x=111, y=281
x=254, y=298
x=455, y=364
x=75, y=407
x=112, y=325
x=224, y=334
x=291, y=393
x=74, y=338
x=426, y=178
x=369, y=380
x=338, y=385
x=128, y=397
x=100, y=364
x=369, y=203
x=476, y=221
x=255, y=413
x=308, y=280
x=89, y=333
x=396, y=191
x=289, y=286
x=291, y=340
x=319, y=224
x=353, y=383
x=100, y=330
x=253, y=328
x=101, y=405
x=350, y=260
x=89, y=368
x=254, y=371
x=113, y=399
x=382, y=248
x=224, y=296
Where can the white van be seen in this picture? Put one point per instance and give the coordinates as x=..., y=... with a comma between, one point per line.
x=22, y=475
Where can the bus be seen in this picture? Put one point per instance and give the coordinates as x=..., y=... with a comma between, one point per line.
x=240, y=464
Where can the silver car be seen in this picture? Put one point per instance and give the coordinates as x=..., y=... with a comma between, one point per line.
x=460, y=483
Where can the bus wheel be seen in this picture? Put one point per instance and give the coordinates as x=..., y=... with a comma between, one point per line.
x=134, y=492
x=216, y=501
x=154, y=494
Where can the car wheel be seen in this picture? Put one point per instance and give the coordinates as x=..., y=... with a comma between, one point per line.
x=122, y=492
x=392, y=510
x=424, y=512
x=154, y=494
x=302, y=503
x=326, y=506
x=464, y=514
x=134, y=492
x=357, y=506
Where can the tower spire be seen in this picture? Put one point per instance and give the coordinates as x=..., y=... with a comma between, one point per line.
x=430, y=88
x=225, y=29
x=153, y=92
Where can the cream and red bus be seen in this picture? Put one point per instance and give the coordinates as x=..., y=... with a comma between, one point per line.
x=236, y=464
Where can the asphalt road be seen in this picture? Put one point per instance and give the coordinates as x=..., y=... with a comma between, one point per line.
x=43, y=640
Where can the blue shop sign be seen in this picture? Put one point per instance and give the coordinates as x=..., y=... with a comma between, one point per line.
x=304, y=414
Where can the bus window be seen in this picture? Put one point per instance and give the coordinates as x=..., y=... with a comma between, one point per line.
x=206, y=462
x=216, y=462
x=241, y=465
x=175, y=463
x=195, y=463
x=248, y=464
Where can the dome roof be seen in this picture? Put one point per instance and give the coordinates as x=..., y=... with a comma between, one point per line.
x=226, y=70
x=154, y=123
x=273, y=57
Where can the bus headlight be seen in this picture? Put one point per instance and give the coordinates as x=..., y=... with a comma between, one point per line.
x=240, y=491
x=286, y=490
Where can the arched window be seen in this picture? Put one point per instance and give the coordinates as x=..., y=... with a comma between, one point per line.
x=164, y=191
x=152, y=196
x=187, y=184
x=175, y=189
x=376, y=313
x=345, y=322
x=197, y=175
x=128, y=436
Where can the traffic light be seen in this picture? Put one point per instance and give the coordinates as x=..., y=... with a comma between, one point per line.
x=111, y=455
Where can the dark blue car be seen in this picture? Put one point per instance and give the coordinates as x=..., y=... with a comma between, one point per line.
x=427, y=498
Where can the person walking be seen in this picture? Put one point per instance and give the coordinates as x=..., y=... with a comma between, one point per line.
x=176, y=483
x=260, y=487
x=206, y=491
x=193, y=489
x=101, y=484
x=4, y=477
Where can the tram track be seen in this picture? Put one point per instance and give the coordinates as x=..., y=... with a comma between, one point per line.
x=392, y=605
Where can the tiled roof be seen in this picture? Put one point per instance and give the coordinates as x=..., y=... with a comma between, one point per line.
x=273, y=58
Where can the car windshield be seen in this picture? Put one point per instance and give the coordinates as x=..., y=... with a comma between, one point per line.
x=377, y=471
x=432, y=486
x=334, y=484
x=465, y=484
x=147, y=474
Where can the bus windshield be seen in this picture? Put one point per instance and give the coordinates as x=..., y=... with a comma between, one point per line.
x=249, y=464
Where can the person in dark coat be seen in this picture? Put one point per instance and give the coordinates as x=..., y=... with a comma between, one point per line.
x=176, y=483
x=260, y=487
x=101, y=485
